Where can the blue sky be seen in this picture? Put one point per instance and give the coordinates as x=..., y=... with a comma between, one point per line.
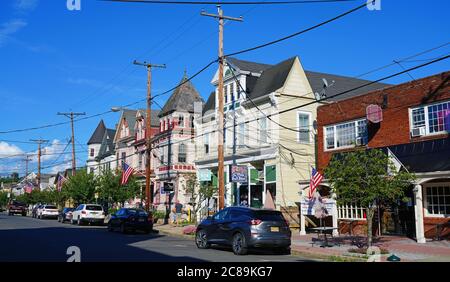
x=53, y=59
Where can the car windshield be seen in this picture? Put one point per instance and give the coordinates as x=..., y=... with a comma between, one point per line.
x=51, y=207
x=68, y=209
x=93, y=208
x=269, y=215
x=18, y=203
x=137, y=211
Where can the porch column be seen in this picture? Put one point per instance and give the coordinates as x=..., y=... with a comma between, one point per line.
x=420, y=235
x=302, y=218
x=334, y=216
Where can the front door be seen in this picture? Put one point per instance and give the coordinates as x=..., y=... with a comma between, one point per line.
x=398, y=218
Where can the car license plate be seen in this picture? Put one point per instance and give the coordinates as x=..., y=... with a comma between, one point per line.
x=141, y=219
x=274, y=229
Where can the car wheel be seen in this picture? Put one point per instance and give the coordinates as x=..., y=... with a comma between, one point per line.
x=239, y=246
x=110, y=228
x=201, y=240
x=79, y=222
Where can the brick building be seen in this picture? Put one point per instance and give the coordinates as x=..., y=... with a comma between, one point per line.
x=415, y=128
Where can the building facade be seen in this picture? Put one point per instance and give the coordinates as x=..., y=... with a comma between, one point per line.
x=175, y=144
x=414, y=130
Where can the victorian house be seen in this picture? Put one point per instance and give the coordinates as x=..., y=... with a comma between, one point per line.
x=174, y=144
x=269, y=132
x=101, y=150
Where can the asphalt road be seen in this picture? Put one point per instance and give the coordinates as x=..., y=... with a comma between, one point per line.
x=28, y=239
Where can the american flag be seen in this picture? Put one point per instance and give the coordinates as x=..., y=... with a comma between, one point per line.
x=127, y=171
x=316, y=177
x=61, y=180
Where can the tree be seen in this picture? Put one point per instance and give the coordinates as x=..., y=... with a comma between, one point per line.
x=199, y=192
x=80, y=187
x=366, y=177
x=3, y=199
x=111, y=191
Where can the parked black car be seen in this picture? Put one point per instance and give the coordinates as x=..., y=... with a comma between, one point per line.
x=128, y=219
x=245, y=228
x=65, y=215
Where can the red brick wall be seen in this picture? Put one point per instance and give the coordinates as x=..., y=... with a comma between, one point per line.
x=394, y=129
x=430, y=227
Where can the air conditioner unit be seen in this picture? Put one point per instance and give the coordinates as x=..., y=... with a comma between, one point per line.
x=359, y=141
x=419, y=131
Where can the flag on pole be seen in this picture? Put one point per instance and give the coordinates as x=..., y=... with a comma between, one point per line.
x=316, y=178
x=127, y=171
x=61, y=180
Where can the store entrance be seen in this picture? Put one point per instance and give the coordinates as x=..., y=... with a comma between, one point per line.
x=398, y=218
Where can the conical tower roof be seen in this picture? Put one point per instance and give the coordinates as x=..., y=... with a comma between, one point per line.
x=97, y=136
x=182, y=98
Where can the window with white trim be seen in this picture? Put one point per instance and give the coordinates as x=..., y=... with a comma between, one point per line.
x=345, y=134
x=206, y=143
x=304, y=134
x=433, y=118
x=181, y=153
x=181, y=121
x=263, y=130
x=351, y=211
x=437, y=199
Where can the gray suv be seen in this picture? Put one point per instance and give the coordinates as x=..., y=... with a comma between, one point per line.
x=245, y=228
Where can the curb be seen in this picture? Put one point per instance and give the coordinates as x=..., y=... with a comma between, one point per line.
x=185, y=236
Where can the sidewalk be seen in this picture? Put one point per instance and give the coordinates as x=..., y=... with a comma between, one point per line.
x=404, y=248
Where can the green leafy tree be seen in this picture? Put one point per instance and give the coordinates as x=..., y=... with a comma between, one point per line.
x=366, y=177
x=3, y=199
x=80, y=188
x=111, y=191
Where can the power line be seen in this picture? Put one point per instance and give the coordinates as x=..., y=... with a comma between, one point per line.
x=296, y=33
x=230, y=2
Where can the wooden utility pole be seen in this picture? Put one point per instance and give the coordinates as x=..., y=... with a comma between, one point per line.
x=148, y=128
x=220, y=119
x=71, y=115
x=39, y=142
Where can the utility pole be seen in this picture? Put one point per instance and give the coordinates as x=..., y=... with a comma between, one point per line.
x=220, y=120
x=27, y=159
x=148, y=128
x=71, y=115
x=39, y=142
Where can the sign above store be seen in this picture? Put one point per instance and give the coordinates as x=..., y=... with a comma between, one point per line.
x=239, y=174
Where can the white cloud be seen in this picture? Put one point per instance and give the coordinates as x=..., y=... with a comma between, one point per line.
x=23, y=6
x=61, y=167
x=9, y=28
x=7, y=150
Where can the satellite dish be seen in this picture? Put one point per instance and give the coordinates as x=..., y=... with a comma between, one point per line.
x=325, y=83
x=317, y=96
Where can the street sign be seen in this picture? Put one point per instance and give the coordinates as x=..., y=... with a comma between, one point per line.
x=239, y=174
x=204, y=175
x=168, y=187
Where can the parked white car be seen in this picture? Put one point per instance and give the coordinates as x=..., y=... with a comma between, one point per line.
x=88, y=213
x=47, y=211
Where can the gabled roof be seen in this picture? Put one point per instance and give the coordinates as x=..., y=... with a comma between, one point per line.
x=272, y=78
x=154, y=116
x=182, y=98
x=248, y=66
x=342, y=83
x=107, y=146
x=210, y=103
x=97, y=136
